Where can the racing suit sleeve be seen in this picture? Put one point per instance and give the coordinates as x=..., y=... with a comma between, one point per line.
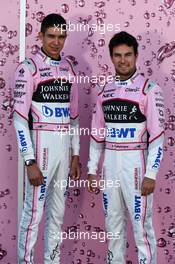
x=74, y=120
x=23, y=91
x=155, y=128
x=97, y=137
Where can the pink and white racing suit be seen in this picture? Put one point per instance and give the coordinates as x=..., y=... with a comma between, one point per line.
x=45, y=109
x=132, y=114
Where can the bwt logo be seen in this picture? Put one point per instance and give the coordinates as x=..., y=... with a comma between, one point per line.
x=137, y=208
x=158, y=158
x=105, y=203
x=122, y=132
x=57, y=111
x=22, y=140
x=43, y=189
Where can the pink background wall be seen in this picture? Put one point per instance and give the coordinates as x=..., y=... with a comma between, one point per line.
x=152, y=22
x=9, y=29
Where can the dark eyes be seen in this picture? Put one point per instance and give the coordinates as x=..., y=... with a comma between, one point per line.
x=62, y=37
x=126, y=55
x=52, y=37
x=117, y=55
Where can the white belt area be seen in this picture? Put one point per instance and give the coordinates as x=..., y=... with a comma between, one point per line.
x=126, y=146
x=50, y=126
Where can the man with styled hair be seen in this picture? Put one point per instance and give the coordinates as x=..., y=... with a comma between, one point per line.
x=131, y=109
x=44, y=107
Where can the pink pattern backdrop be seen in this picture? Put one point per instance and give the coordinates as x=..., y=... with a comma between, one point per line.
x=152, y=22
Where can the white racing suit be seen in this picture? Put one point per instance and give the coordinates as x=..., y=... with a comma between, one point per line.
x=131, y=113
x=45, y=109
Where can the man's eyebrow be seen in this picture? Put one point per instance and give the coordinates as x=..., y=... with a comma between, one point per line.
x=50, y=34
x=127, y=53
x=116, y=53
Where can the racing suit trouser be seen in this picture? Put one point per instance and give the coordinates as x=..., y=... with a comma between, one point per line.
x=55, y=170
x=125, y=195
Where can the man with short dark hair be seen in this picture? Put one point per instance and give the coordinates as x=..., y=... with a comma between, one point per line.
x=131, y=110
x=45, y=109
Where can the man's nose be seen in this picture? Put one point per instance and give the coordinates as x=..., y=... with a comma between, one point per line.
x=56, y=41
x=122, y=59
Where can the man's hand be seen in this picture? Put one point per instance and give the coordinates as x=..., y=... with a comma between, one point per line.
x=35, y=175
x=148, y=186
x=92, y=183
x=75, y=168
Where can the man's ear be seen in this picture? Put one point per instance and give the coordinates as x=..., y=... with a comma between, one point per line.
x=40, y=35
x=112, y=59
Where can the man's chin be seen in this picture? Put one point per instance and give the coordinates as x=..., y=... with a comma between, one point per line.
x=55, y=54
x=124, y=73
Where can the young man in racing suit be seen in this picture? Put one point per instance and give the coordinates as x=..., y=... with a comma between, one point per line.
x=45, y=109
x=129, y=108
